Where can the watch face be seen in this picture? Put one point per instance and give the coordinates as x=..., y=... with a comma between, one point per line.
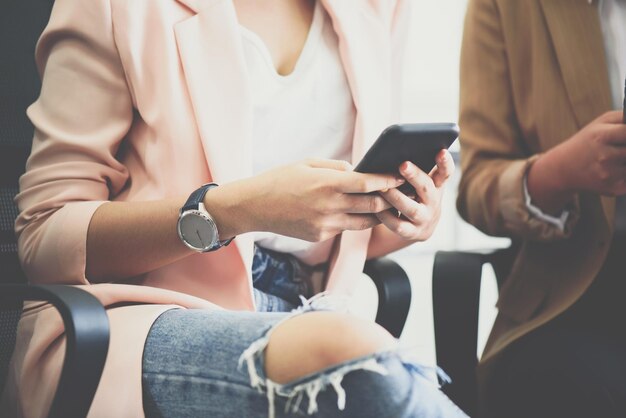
x=197, y=231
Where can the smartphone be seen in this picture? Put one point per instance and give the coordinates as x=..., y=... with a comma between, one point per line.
x=416, y=142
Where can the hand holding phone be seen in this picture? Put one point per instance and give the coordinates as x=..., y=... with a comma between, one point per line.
x=413, y=151
x=417, y=143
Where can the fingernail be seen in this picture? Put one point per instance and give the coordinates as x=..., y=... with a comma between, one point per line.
x=405, y=166
x=384, y=190
x=400, y=180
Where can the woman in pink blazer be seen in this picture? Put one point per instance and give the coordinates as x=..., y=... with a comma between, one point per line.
x=143, y=102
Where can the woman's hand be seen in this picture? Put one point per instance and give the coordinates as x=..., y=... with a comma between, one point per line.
x=415, y=219
x=312, y=200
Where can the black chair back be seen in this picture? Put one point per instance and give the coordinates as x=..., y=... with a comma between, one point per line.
x=21, y=23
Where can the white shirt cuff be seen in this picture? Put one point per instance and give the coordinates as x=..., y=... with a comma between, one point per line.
x=539, y=214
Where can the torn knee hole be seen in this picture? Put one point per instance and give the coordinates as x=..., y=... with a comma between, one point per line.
x=308, y=383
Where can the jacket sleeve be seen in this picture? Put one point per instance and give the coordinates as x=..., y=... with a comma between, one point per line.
x=80, y=118
x=494, y=155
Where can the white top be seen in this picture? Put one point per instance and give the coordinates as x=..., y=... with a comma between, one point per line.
x=613, y=20
x=306, y=114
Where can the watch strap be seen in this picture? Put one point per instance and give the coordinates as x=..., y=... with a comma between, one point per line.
x=193, y=203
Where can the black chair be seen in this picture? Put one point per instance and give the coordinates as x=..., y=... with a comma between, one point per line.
x=86, y=322
x=456, y=299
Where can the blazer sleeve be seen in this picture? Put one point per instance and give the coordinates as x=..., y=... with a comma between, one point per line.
x=81, y=116
x=495, y=157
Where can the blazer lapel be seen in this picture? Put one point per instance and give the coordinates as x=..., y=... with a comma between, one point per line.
x=582, y=59
x=213, y=62
x=581, y=56
x=366, y=56
x=212, y=57
x=364, y=46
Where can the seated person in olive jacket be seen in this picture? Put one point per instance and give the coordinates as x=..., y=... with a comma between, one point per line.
x=544, y=162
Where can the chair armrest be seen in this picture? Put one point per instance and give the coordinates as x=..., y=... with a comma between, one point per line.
x=457, y=279
x=87, y=343
x=456, y=299
x=394, y=293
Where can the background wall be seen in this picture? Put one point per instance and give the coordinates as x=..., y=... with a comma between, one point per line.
x=432, y=96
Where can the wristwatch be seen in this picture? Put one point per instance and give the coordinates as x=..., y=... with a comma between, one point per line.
x=196, y=227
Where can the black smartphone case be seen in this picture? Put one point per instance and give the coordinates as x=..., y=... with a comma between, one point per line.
x=417, y=142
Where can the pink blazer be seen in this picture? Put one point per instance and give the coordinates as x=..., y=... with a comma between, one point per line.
x=148, y=99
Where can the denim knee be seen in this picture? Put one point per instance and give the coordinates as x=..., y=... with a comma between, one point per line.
x=378, y=385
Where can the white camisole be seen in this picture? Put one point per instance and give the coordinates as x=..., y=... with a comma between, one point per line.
x=306, y=114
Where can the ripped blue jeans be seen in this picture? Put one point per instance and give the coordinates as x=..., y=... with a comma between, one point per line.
x=201, y=363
